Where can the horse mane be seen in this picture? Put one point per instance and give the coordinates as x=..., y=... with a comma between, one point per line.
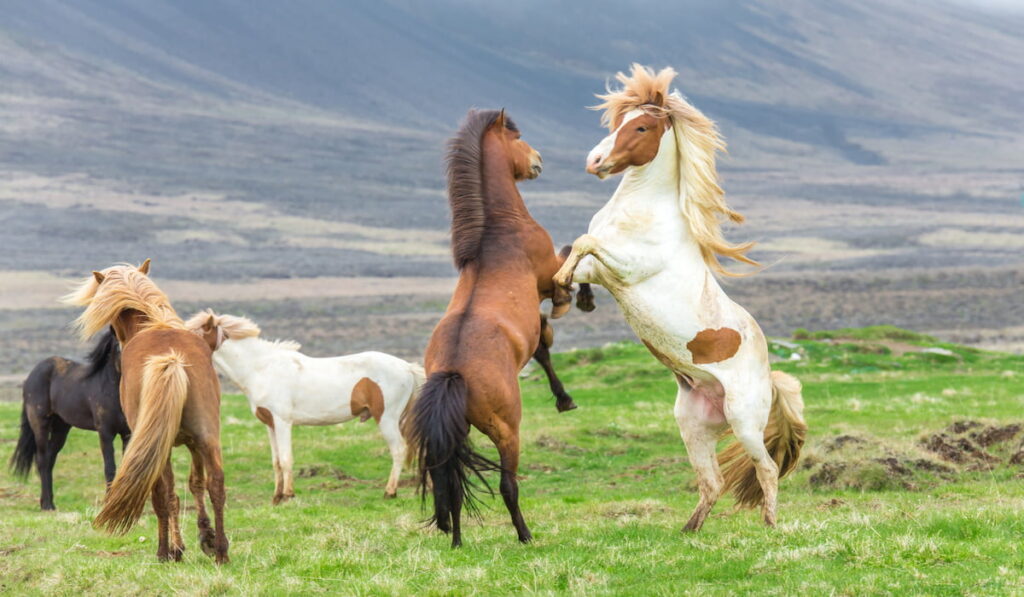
x=124, y=287
x=236, y=327
x=104, y=353
x=701, y=198
x=465, y=184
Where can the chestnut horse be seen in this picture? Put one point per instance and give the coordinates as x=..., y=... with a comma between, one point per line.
x=60, y=394
x=490, y=330
x=170, y=395
x=655, y=247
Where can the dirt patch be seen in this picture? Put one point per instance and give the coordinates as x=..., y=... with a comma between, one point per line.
x=866, y=463
x=968, y=442
x=869, y=464
x=551, y=443
x=310, y=472
x=838, y=442
x=997, y=435
x=628, y=511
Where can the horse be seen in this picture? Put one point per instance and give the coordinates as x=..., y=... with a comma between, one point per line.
x=60, y=394
x=286, y=388
x=490, y=328
x=655, y=246
x=170, y=395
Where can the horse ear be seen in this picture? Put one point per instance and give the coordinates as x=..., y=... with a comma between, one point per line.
x=659, y=99
x=144, y=268
x=99, y=277
x=500, y=122
x=210, y=323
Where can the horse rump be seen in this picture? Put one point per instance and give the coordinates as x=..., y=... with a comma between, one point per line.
x=163, y=395
x=438, y=431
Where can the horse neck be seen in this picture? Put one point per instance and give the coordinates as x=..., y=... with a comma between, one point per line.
x=240, y=358
x=504, y=209
x=654, y=189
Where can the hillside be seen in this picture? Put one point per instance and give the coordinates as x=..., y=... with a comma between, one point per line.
x=240, y=142
x=909, y=484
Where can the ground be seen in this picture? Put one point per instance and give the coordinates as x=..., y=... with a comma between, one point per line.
x=908, y=486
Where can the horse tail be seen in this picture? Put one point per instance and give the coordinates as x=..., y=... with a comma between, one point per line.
x=25, y=450
x=783, y=437
x=437, y=430
x=419, y=377
x=164, y=390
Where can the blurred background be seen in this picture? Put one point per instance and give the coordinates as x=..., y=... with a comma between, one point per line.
x=283, y=160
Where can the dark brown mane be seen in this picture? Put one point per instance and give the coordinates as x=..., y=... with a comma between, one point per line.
x=465, y=184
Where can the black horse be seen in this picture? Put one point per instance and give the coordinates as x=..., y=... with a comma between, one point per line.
x=60, y=394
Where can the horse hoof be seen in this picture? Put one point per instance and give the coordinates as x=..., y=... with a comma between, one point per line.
x=222, y=558
x=47, y=507
x=691, y=527
x=390, y=495
x=206, y=544
x=565, y=405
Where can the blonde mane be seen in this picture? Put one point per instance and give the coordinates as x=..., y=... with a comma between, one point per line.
x=236, y=327
x=124, y=287
x=702, y=200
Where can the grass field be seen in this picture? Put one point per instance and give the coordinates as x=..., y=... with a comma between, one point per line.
x=890, y=498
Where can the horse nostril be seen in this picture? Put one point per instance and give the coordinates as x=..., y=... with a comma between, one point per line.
x=598, y=159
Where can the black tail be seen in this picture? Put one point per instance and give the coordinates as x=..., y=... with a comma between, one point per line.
x=437, y=429
x=25, y=451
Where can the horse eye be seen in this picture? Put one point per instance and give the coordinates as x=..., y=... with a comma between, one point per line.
x=641, y=129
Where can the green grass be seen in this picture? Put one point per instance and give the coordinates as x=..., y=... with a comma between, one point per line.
x=605, y=490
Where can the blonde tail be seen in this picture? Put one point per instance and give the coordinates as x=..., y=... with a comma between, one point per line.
x=783, y=437
x=164, y=389
x=419, y=376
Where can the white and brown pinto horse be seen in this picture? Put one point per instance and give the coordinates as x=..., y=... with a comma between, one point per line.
x=286, y=388
x=655, y=247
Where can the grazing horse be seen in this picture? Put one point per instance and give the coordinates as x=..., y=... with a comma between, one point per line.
x=170, y=395
x=490, y=329
x=60, y=394
x=655, y=247
x=286, y=387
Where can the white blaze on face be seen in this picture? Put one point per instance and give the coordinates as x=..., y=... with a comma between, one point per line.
x=598, y=156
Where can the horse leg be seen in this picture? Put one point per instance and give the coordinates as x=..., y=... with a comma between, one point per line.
x=162, y=511
x=218, y=495
x=46, y=457
x=563, y=401
x=177, y=546
x=396, y=445
x=107, y=449
x=701, y=438
x=750, y=433
x=276, y=462
x=506, y=437
x=283, y=440
x=197, y=485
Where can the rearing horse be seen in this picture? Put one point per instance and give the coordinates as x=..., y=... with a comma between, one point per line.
x=490, y=330
x=655, y=246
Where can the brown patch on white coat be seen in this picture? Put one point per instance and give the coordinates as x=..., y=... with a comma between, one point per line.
x=367, y=400
x=714, y=345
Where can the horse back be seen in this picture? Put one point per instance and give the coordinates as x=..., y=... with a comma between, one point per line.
x=59, y=386
x=202, y=406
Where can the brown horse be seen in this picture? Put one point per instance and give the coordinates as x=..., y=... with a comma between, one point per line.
x=490, y=329
x=170, y=395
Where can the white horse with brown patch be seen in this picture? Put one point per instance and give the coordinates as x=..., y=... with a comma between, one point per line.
x=654, y=246
x=286, y=388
